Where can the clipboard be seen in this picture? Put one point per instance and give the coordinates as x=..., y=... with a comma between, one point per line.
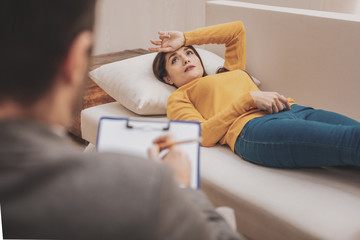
x=134, y=136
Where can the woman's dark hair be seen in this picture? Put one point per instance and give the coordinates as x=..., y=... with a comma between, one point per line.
x=159, y=65
x=221, y=70
x=36, y=37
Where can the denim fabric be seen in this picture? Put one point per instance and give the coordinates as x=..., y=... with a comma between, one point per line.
x=300, y=137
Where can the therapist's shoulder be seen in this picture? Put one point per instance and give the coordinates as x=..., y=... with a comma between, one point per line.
x=122, y=191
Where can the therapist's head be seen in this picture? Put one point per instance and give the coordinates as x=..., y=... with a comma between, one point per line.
x=45, y=47
x=37, y=36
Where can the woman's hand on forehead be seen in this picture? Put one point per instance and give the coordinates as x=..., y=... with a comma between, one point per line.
x=169, y=41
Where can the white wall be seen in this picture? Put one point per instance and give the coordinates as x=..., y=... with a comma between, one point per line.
x=131, y=24
x=309, y=55
x=340, y=6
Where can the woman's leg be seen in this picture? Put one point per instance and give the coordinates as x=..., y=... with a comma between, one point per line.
x=319, y=115
x=301, y=137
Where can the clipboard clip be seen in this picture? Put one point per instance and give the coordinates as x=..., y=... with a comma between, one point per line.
x=148, y=124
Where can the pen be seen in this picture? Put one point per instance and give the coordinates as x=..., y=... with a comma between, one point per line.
x=170, y=144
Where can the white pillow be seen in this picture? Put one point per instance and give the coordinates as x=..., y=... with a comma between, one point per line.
x=132, y=82
x=213, y=62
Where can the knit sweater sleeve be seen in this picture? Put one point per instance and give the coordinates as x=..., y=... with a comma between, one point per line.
x=214, y=128
x=231, y=34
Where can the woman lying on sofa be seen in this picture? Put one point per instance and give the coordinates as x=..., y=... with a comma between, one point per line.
x=265, y=128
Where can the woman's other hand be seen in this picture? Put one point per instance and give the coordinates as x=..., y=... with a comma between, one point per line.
x=271, y=102
x=176, y=159
x=169, y=41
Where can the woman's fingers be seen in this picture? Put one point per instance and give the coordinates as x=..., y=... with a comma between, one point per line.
x=169, y=41
x=285, y=101
x=166, y=49
x=155, y=42
x=278, y=106
x=162, y=37
x=281, y=103
x=159, y=43
x=163, y=33
x=161, y=49
x=158, y=49
x=274, y=108
x=153, y=49
x=271, y=102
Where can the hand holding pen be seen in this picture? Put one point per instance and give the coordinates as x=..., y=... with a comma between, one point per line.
x=164, y=145
x=176, y=159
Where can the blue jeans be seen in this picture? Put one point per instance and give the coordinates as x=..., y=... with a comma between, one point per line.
x=300, y=137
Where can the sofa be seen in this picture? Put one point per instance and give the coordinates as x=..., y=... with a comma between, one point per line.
x=315, y=203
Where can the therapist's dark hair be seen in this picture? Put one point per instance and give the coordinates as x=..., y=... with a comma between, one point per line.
x=35, y=38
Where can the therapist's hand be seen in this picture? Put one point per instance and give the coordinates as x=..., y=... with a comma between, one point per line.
x=169, y=41
x=176, y=159
x=271, y=102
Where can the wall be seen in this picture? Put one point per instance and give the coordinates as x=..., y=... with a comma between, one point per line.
x=131, y=24
x=309, y=55
x=340, y=6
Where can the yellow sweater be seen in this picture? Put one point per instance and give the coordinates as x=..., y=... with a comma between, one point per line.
x=222, y=103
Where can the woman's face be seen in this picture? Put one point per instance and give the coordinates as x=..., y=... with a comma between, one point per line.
x=182, y=66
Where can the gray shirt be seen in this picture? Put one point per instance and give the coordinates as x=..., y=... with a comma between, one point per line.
x=49, y=189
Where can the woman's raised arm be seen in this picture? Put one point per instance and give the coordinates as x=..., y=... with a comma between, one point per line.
x=169, y=41
x=231, y=34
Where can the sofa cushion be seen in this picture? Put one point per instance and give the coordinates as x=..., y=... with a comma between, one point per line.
x=317, y=203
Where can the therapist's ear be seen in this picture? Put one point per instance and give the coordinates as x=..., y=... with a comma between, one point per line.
x=77, y=59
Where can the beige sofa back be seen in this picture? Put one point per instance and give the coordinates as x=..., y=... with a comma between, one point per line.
x=311, y=56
